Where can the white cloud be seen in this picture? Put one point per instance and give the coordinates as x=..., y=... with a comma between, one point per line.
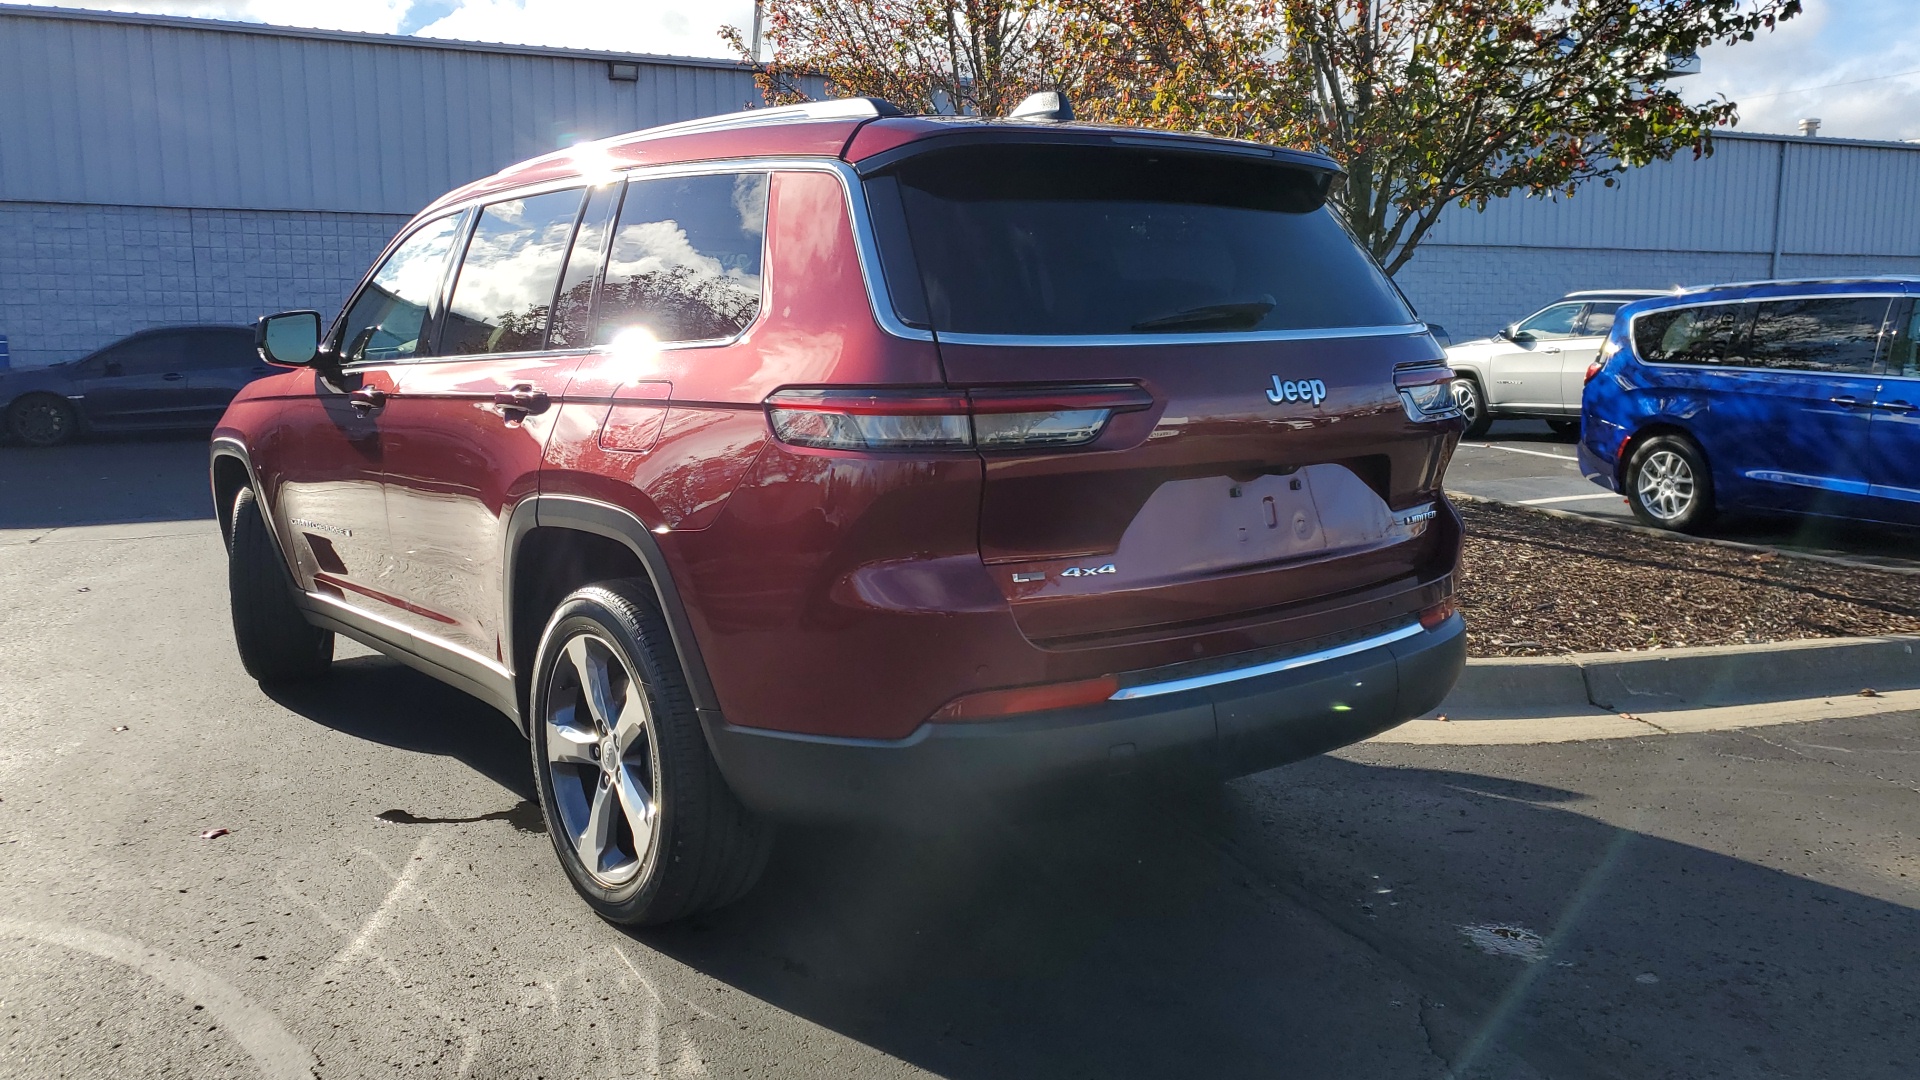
x=1781, y=77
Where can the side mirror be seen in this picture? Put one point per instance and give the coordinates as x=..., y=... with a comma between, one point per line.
x=289, y=339
x=1505, y=333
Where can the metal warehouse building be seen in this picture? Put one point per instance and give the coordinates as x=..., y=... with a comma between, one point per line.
x=159, y=170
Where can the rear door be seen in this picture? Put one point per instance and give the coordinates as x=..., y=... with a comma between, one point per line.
x=1895, y=439
x=1263, y=345
x=469, y=424
x=1581, y=350
x=218, y=361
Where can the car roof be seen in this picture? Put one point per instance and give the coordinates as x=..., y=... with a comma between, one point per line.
x=859, y=131
x=1614, y=294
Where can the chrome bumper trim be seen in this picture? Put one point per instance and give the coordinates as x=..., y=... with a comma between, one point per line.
x=1175, y=686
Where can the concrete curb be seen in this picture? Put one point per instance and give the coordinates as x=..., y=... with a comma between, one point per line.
x=1674, y=679
x=1687, y=538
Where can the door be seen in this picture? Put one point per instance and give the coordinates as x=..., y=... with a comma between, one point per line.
x=218, y=362
x=139, y=382
x=1803, y=405
x=471, y=424
x=1895, y=442
x=1581, y=350
x=1526, y=368
x=323, y=464
x=1248, y=350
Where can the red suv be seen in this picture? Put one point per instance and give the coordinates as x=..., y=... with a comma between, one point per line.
x=834, y=462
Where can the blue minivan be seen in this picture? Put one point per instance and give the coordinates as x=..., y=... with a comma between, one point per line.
x=1798, y=396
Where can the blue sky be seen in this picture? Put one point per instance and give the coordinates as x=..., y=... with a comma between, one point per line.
x=1777, y=80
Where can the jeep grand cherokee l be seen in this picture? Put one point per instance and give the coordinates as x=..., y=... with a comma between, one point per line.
x=829, y=461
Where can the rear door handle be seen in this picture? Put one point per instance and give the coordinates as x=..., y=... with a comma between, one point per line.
x=367, y=400
x=523, y=399
x=1896, y=406
x=172, y=376
x=1550, y=350
x=1845, y=402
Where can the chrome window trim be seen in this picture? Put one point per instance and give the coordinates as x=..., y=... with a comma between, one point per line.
x=1199, y=682
x=1108, y=340
x=1633, y=326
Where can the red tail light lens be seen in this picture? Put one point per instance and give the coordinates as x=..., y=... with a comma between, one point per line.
x=1426, y=391
x=1432, y=617
x=994, y=704
x=1607, y=352
x=991, y=419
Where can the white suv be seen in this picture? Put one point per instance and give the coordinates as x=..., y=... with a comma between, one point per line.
x=1535, y=368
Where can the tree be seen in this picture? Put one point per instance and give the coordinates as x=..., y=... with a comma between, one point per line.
x=1427, y=103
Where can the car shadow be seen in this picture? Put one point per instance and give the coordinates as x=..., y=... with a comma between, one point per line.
x=383, y=701
x=105, y=482
x=1315, y=922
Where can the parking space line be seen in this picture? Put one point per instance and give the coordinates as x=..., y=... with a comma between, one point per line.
x=1571, y=498
x=1517, y=450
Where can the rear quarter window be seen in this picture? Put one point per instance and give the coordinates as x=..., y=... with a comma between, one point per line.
x=1079, y=241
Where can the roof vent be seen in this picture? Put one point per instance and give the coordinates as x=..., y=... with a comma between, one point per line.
x=1810, y=126
x=1048, y=105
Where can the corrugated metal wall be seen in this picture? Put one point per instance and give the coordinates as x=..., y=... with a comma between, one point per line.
x=150, y=112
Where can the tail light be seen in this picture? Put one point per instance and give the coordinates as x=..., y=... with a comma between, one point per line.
x=1607, y=352
x=1431, y=618
x=1011, y=418
x=1426, y=391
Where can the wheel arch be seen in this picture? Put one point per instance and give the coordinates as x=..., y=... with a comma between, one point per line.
x=558, y=543
x=1653, y=429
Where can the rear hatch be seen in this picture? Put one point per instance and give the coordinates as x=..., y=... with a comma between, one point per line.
x=1256, y=454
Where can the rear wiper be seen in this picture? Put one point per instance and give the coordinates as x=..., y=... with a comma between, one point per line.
x=1240, y=316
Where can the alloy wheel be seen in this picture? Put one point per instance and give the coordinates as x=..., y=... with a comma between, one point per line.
x=1666, y=485
x=603, y=760
x=40, y=422
x=1467, y=400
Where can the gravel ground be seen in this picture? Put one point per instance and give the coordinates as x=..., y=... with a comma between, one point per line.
x=1536, y=585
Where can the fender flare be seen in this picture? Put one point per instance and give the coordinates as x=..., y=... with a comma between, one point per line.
x=622, y=526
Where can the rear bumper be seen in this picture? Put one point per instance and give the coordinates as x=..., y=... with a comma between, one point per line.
x=1228, y=729
x=1596, y=468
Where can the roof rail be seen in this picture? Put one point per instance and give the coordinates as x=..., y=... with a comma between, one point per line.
x=852, y=108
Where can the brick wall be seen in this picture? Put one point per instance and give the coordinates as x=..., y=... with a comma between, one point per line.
x=75, y=277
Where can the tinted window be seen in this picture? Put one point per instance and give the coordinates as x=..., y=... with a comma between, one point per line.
x=1556, y=321
x=154, y=354
x=385, y=320
x=1069, y=240
x=204, y=350
x=573, y=307
x=1838, y=334
x=1904, y=356
x=506, y=281
x=1599, y=320
x=1693, y=335
x=685, y=259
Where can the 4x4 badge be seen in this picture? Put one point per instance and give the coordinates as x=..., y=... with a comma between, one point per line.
x=1312, y=390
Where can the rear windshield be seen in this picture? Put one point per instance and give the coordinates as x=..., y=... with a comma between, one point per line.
x=1094, y=241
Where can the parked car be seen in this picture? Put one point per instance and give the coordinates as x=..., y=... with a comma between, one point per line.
x=170, y=377
x=825, y=461
x=1799, y=396
x=1534, y=368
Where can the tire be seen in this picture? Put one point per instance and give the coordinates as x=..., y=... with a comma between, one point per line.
x=1472, y=404
x=1566, y=429
x=659, y=835
x=1669, y=484
x=42, y=420
x=276, y=642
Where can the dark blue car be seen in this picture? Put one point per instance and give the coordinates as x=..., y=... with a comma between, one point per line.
x=1798, y=396
x=169, y=377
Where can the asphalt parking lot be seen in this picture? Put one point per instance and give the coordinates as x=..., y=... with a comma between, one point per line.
x=1737, y=903
x=1521, y=461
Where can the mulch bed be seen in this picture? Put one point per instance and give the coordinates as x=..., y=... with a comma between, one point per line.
x=1535, y=585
